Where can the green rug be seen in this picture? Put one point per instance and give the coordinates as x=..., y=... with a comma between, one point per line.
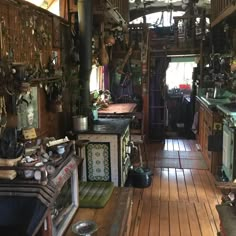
x=94, y=194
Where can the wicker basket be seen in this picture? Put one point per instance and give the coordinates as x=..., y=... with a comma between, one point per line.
x=8, y=174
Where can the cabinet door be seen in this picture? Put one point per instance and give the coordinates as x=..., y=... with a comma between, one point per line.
x=201, y=127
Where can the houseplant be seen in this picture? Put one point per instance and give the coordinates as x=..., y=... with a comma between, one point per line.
x=99, y=99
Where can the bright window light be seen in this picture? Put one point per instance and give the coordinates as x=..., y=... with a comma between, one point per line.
x=179, y=73
x=162, y=19
x=50, y=5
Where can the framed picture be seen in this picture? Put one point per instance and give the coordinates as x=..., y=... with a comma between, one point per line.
x=27, y=110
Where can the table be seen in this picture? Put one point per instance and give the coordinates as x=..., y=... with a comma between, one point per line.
x=118, y=109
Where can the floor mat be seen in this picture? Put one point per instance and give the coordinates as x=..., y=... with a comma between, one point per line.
x=190, y=155
x=181, y=159
x=193, y=164
x=168, y=154
x=167, y=162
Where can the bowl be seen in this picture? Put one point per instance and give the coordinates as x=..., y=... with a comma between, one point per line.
x=84, y=227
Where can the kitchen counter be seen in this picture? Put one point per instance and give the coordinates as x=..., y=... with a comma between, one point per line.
x=212, y=102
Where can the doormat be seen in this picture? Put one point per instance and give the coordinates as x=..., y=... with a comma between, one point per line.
x=193, y=164
x=167, y=163
x=168, y=154
x=94, y=194
x=190, y=155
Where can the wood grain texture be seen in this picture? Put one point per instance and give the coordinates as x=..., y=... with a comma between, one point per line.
x=179, y=202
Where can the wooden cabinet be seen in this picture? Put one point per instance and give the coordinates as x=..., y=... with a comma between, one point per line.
x=210, y=124
x=106, y=157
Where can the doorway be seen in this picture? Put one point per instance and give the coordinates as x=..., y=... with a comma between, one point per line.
x=179, y=105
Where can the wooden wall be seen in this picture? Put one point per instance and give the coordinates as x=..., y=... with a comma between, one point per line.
x=30, y=33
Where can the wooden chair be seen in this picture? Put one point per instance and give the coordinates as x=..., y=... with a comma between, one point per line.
x=137, y=136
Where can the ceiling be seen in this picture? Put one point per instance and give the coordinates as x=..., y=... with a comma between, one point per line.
x=139, y=7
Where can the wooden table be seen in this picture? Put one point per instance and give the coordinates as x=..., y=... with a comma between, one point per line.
x=114, y=219
x=118, y=109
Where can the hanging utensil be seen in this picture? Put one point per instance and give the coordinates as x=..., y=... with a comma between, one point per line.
x=3, y=114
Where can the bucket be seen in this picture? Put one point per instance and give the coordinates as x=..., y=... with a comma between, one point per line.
x=80, y=123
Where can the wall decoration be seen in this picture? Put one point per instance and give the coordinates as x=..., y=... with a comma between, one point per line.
x=27, y=110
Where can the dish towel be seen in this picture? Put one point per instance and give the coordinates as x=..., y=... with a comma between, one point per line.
x=195, y=123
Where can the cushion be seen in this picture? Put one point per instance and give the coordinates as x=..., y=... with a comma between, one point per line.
x=94, y=194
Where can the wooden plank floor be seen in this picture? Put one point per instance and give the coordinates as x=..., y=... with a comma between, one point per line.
x=179, y=201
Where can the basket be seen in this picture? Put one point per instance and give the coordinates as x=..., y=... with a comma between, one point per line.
x=9, y=174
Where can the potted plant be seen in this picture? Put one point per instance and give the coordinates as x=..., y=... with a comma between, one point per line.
x=99, y=99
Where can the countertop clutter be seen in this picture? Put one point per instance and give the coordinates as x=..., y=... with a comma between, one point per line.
x=42, y=176
x=38, y=161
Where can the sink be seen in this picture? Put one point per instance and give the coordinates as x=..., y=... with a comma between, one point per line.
x=228, y=108
x=215, y=101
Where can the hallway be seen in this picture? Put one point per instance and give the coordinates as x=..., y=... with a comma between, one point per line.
x=180, y=201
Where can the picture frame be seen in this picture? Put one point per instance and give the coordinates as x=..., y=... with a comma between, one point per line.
x=27, y=109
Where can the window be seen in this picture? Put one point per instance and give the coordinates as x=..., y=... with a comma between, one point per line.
x=50, y=5
x=179, y=73
x=97, y=78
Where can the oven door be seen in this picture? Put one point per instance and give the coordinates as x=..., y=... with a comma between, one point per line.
x=228, y=152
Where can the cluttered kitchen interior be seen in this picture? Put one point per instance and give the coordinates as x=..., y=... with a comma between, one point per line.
x=117, y=117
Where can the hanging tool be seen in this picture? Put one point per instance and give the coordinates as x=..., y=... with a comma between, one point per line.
x=3, y=114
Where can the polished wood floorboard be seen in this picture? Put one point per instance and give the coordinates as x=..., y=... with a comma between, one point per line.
x=179, y=201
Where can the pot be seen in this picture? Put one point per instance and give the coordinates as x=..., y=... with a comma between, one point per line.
x=80, y=123
x=141, y=177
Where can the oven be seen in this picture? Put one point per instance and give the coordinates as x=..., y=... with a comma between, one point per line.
x=228, y=160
